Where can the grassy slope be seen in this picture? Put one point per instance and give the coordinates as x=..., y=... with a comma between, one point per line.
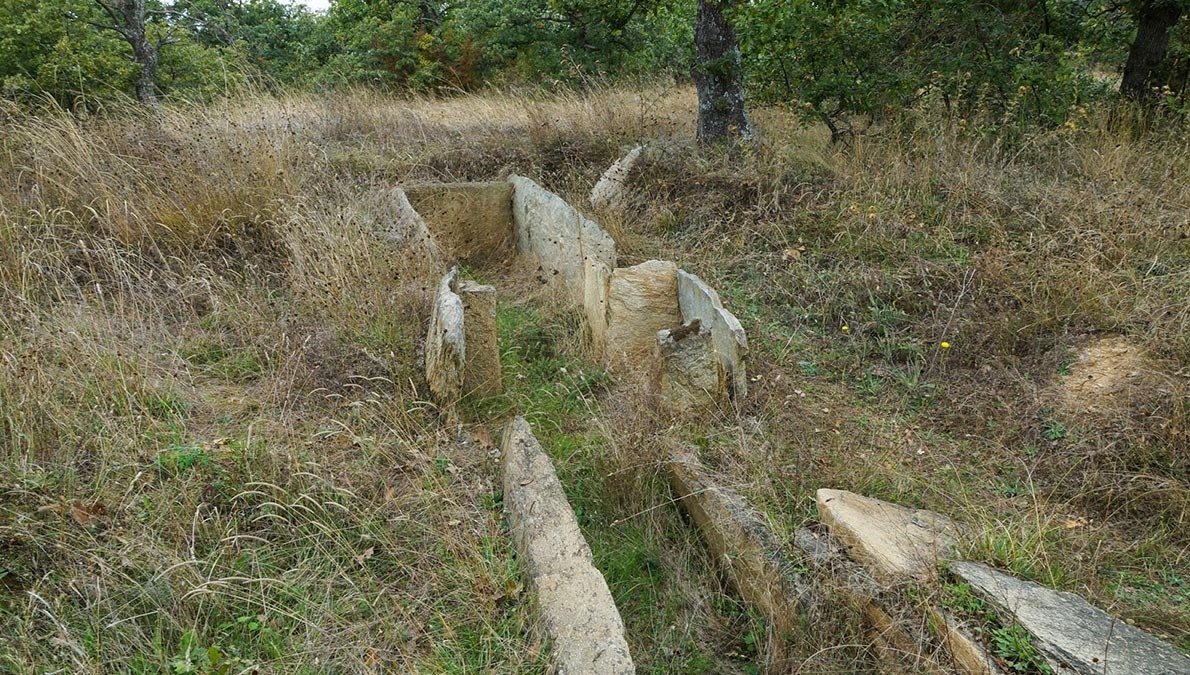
x=213, y=433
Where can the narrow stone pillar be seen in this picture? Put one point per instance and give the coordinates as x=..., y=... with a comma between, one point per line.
x=481, y=371
x=691, y=377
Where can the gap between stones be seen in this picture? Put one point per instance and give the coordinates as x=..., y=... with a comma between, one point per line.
x=667, y=329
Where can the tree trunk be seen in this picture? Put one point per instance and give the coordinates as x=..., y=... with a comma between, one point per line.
x=129, y=20
x=1154, y=20
x=718, y=76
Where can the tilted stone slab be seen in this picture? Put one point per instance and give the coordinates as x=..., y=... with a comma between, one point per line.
x=896, y=543
x=641, y=300
x=699, y=301
x=610, y=191
x=576, y=606
x=446, y=344
x=481, y=370
x=564, y=241
x=471, y=221
x=691, y=377
x=397, y=223
x=1075, y=636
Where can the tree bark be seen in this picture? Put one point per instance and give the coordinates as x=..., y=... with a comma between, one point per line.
x=719, y=77
x=1154, y=20
x=129, y=20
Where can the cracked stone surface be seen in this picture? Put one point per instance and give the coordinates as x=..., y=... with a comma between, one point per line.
x=699, y=301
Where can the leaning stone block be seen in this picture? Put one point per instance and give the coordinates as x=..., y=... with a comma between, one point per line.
x=699, y=301
x=896, y=543
x=446, y=344
x=471, y=221
x=610, y=191
x=481, y=371
x=691, y=377
x=641, y=300
x=576, y=606
x=1075, y=636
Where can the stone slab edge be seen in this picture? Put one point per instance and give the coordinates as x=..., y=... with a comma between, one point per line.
x=1077, y=636
x=697, y=300
x=446, y=343
x=576, y=606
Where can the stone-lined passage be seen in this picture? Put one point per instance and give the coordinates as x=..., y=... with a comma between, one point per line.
x=576, y=606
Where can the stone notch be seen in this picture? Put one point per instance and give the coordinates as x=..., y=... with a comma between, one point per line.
x=610, y=191
x=481, y=369
x=471, y=221
x=699, y=301
x=1075, y=636
x=641, y=300
x=691, y=377
x=579, y=616
x=446, y=344
x=565, y=242
x=896, y=543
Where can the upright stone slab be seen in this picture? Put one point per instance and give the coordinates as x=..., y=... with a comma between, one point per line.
x=471, y=221
x=896, y=543
x=564, y=242
x=699, y=301
x=580, y=617
x=610, y=191
x=446, y=344
x=691, y=377
x=641, y=300
x=596, y=281
x=397, y=223
x=1075, y=636
x=481, y=372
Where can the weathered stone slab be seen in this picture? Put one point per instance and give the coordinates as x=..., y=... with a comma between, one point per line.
x=576, y=606
x=967, y=653
x=742, y=543
x=564, y=241
x=641, y=300
x=1074, y=635
x=446, y=344
x=471, y=221
x=896, y=543
x=691, y=376
x=596, y=281
x=610, y=191
x=699, y=301
x=481, y=371
x=395, y=222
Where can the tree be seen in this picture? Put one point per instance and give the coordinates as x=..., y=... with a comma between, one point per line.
x=1154, y=19
x=129, y=20
x=718, y=76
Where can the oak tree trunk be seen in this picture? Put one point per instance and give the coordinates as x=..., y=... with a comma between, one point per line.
x=1154, y=20
x=718, y=76
x=129, y=20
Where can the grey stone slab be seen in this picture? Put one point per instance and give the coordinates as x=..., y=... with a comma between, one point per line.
x=896, y=543
x=699, y=301
x=481, y=372
x=1077, y=636
x=691, y=377
x=446, y=344
x=470, y=221
x=611, y=190
x=641, y=300
x=576, y=606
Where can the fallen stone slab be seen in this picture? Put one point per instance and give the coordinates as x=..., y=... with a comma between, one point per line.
x=641, y=300
x=577, y=610
x=446, y=344
x=896, y=543
x=565, y=242
x=699, y=301
x=1075, y=636
x=611, y=190
x=471, y=221
x=691, y=378
x=481, y=370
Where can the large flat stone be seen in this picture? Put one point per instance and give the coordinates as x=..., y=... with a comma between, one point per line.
x=896, y=543
x=471, y=221
x=699, y=301
x=390, y=216
x=481, y=371
x=691, y=377
x=1076, y=636
x=576, y=606
x=446, y=344
x=611, y=190
x=564, y=241
x=641, y=300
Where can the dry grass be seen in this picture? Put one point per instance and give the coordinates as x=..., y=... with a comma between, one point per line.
x=212, y=429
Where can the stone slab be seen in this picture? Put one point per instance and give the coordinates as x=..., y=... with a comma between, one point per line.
x=564, y=241
x=395, y=222
x=691, y=377
x=699, y=301
x=967, y=653
x=1076, y=636
x=481, y=371
x=641, y=300
x=446, y=344
x=472, y=222
x=896, y=543
x=611, y=190
x=596, y=282
x=577, y=610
